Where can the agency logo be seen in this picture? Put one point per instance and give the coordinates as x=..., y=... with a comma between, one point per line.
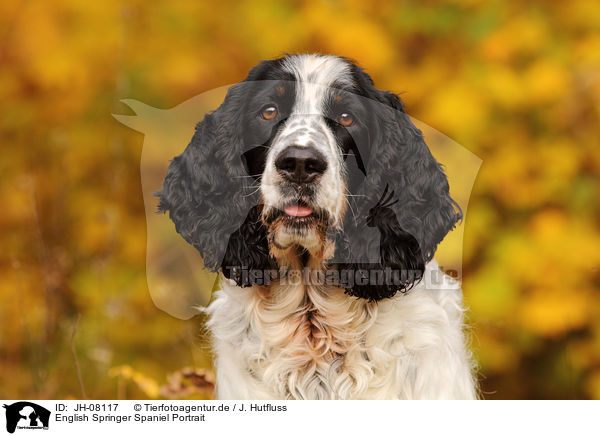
x=26, y=415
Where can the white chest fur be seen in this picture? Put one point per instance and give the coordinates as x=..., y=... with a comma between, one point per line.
x=308, y=342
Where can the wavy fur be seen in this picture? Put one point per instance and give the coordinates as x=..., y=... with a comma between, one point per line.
x=297, y=342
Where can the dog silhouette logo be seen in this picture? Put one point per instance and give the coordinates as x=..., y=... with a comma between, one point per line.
x=26, y=415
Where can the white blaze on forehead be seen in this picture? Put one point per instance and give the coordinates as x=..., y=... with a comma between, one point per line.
x=315, y=75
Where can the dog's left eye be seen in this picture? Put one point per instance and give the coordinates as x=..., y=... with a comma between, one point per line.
x=269, y=112
x=346, y=119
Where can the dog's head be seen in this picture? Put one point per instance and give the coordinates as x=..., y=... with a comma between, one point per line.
x=307, y=162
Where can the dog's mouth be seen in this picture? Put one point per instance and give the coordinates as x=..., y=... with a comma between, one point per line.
x=300, y=214
x=298, y=211
x=296, y=215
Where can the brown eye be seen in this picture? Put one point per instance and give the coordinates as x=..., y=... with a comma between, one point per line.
x=346, y=119
x=269, y=112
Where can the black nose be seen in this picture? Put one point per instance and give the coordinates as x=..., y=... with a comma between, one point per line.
x=300, y=164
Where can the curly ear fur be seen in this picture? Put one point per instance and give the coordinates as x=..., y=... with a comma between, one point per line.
x=424, y=208
x=207, y=192
x=423, y=211
x=247, y=259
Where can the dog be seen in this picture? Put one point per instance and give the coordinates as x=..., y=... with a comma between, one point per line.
x=317, y=200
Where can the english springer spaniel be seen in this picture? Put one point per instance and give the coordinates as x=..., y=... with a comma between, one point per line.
x=318, y=201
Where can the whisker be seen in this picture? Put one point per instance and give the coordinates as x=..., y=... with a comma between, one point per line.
x=252, y=193
x=252, y=185
x=352, y=211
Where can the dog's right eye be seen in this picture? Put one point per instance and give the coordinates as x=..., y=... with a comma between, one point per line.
x=269, y=112
x=346, y=119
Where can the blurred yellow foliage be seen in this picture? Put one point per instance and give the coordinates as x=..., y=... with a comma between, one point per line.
x=146, y=384
x=518, y=84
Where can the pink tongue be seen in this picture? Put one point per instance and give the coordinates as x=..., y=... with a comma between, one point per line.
x=298, y=211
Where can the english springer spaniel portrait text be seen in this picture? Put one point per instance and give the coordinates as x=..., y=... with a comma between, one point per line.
x=317, y=200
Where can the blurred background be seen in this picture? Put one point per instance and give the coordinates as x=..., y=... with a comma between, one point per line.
x=515, y=83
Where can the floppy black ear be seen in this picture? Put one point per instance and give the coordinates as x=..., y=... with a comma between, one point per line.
x=247, y=260
x=383, y=262
x=424, y=208
x=207, y=192
x=417, y=213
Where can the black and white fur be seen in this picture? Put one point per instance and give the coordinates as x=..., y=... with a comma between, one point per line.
x=378, y=201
